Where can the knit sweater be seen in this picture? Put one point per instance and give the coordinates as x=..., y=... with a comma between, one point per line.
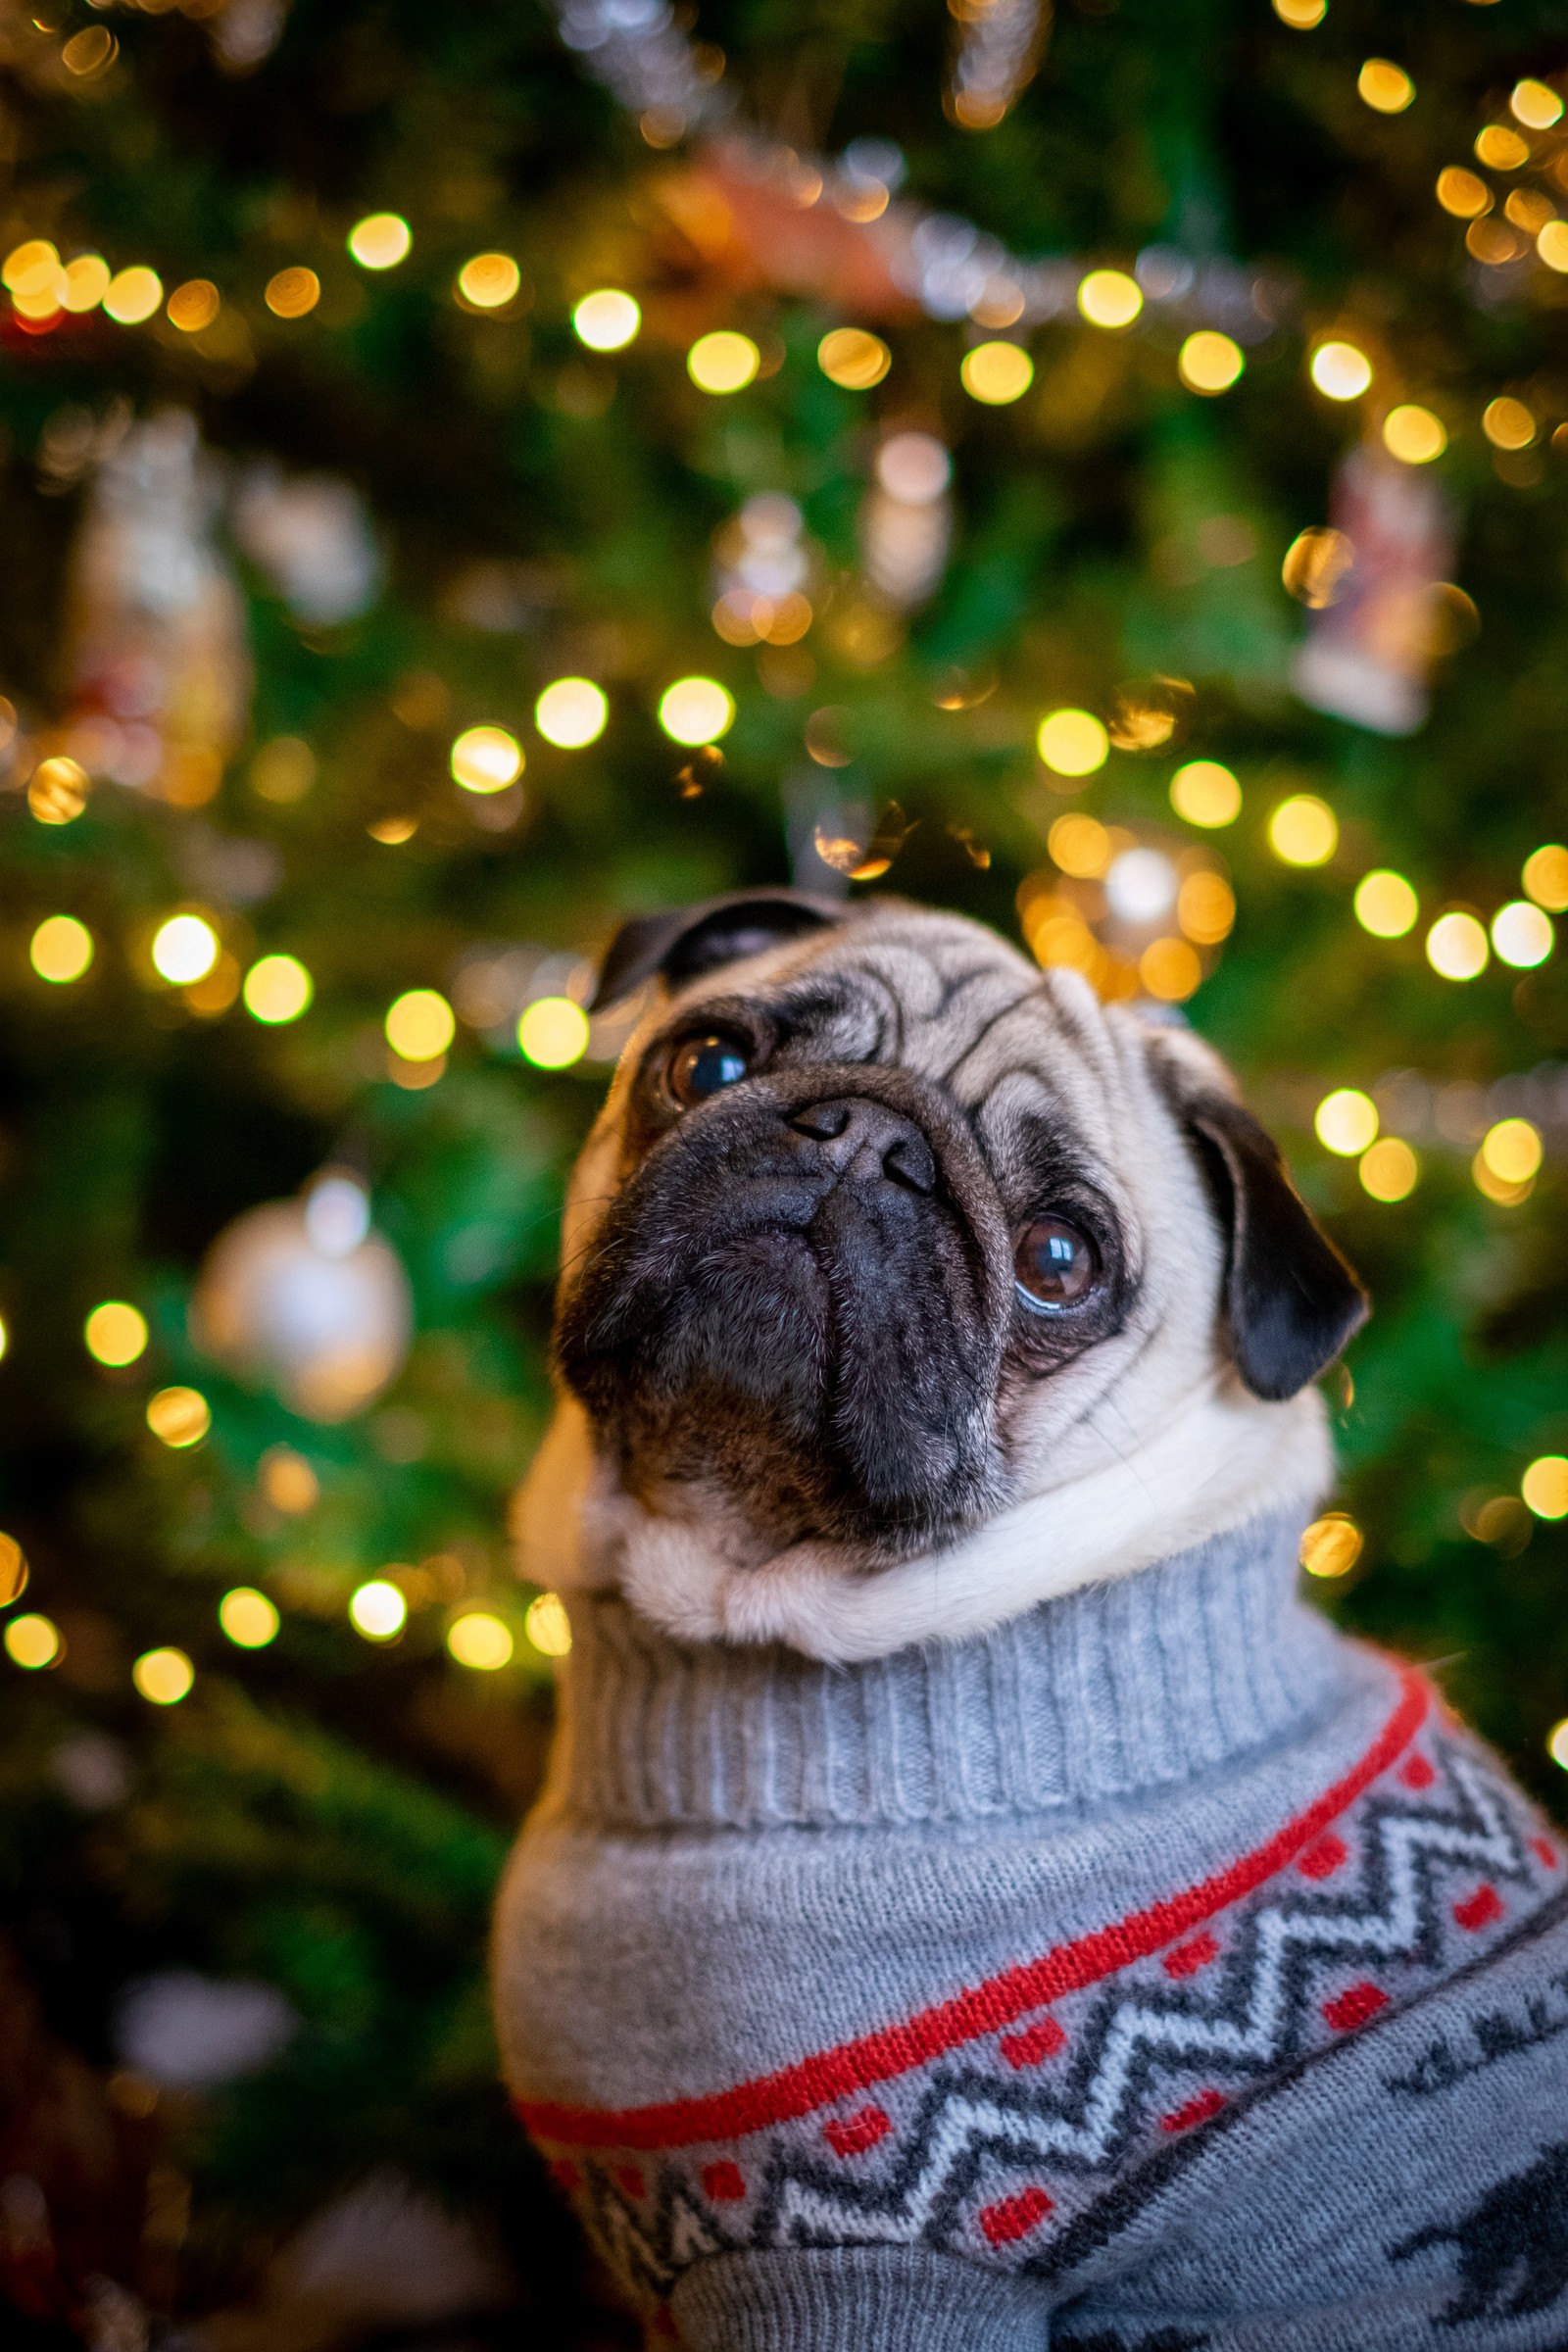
x=1160, y=1969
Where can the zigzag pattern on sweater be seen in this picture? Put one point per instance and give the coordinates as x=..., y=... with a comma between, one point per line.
x=989, y=2158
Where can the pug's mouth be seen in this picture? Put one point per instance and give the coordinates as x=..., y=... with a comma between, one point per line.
x=798, y=1304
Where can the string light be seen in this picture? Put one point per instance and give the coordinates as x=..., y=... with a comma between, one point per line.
x=607, y=320
x=115, y=1332
x=132, y=295
x=194, y=304
x=1301, y=14
x=1536, y=105
x=277, y=989
x=722, y=362
x=377, y=1610
x=1169, y=970
x=853, y=358
x=33, y=1641
x=486, y=760
x=1522, y=935
x=571, y=713
x=57, y=791
x=85, y=283
x=248, y=1618
x=380, y=240
x=1456, y=947
x=184, y=948
x=1463, y=194
x=1413, y=435
x=1507, y=423
x=1346, y=1121
x=489, y=282
x=1389, y=1171
x=13, y=1571
x=1545, y=1486
x=1552, y=243
x=1072, y=743
x=1384, y=86
x=1316, y=565
x=553, y=1033
x=548, y=1626
x=1209, y=363
x=1205, y=794
x=1331, y=1546
x=1340, y=371
x=1546, y=877
x=1386, y=905
x=696, y=711
x=420, y=1025
x=1512, y=1150
x=997, y=373
x=1558, y=1743
x=164, y=1677
x=481, y=1640
x=1109, y=298
x=1304, y=830
x=293, y=293
x=61, y=950
x=180, y=1417
x=1503, y=149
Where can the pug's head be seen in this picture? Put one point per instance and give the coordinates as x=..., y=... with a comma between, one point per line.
x=895, y=1267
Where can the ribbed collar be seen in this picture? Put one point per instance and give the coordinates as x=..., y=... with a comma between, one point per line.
x=1120, y=1687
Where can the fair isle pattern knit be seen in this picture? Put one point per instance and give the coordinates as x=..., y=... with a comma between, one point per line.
x=992, y=2124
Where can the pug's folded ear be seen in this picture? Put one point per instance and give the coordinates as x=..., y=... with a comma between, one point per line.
x=691, y=940
x=1293, y=1300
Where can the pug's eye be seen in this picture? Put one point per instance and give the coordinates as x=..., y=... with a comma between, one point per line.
x=705, y=1065
x=1055, y=1265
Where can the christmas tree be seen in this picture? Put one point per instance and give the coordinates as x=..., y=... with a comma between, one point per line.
x=473, y=474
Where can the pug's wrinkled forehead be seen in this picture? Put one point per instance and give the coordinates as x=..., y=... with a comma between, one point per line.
x=883, y=1231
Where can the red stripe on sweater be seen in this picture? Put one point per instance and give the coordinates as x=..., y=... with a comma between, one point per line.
x=855, y=2066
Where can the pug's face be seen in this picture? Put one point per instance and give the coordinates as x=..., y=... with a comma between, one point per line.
x=883, y=1230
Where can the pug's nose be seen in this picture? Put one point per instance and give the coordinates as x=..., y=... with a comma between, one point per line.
x=869, y=1142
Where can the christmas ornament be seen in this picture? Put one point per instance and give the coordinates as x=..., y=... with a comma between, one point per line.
x=162, y=671
x=1375, y=581
x=312, y=539
x=302, y=1297
x=188, y=2031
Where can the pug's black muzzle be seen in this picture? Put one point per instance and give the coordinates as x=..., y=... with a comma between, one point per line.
x=801, y=1297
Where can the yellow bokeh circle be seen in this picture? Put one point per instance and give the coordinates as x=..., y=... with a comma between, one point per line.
x=553, y=1033
x=1331, y=1546
x=607, y=320
x=1456, y=947
x=571, y=713
x=996, y=374
x=1346, y=1121
x=722, y=362
x=1390, y=1170
x=548, y=1626
x=696, y=711
x=115, y=1332
x=180, y=1417
x=1386, y=905
x=380, y=240
x=61, y=950
x=420, y=1024
x=33, y=1641
x=164, y=1677
x=1072, y=743
x=248, y=1617
x=277, y=989
x=1304, y=830
x=1209, y=363
x=1207, y=793
x=184, y=948
x=1109, y=298
x=481, y=1640
x=486, y=760
x=1545, y=1486
x=377, y=1610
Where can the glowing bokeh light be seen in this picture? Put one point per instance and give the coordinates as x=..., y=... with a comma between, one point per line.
x=420, y=1024
x=1522, y=935
x=1209, y=363
x=1340, y=371
x=853, y=358
x=248, y=1617
x=1456, y=947
x=1545, y=1486
x=490, y=280
x=32, y=1641
x=1346, y=1121
x=548, y=1626
x=1384, y=87
x=486, y=760
x=696, y=711
x=1546, y=877
x=553, y=1033
x=61, y=950
x=996, y=374
x=164, y=1677
x=1109, y=298
x=1386, y=905
x=1331, y=1546
x=722, y=362
x=1304, y=830
x=1072, y=743
x=607, y=320
x=481, y=1640
x=1512, y=1150
x=380, y=240
x=184, y=948
x=115, y=1332
x=180, y=1417
x=377, y=1610
x=132, y=295
x=1413, y=435
x=1389, y=1171
x=277, y=989
x=1206, y=793
x=571, y=713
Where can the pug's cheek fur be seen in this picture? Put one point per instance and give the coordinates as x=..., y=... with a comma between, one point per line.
x=795, y=1412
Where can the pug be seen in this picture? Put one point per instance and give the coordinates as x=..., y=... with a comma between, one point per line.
x=975, y=1902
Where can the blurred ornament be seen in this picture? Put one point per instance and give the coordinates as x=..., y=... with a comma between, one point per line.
x=996, y=53
x=303, y=1296
x=907, y=519
x=312, y=539
x=186, y=2032
x=1371, y=650
x=162, y=671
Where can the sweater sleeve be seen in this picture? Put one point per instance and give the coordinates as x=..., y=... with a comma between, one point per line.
x=855, y=2299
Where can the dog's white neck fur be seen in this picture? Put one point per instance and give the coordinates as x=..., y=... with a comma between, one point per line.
x=1220, y=1459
